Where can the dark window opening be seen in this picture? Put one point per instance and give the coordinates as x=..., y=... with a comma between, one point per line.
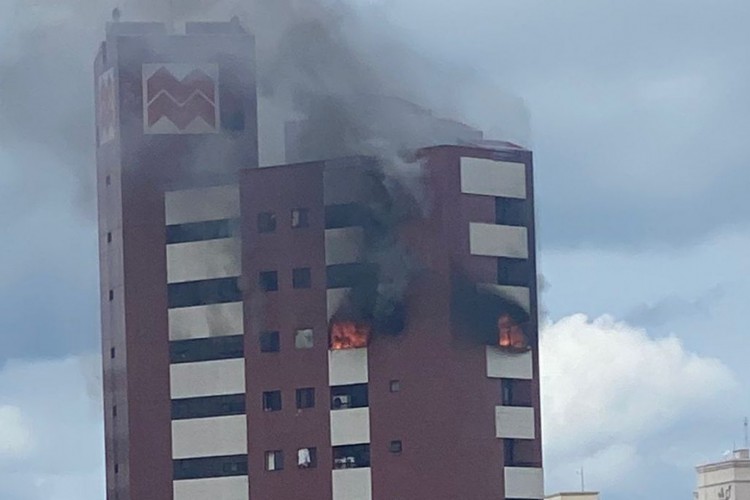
x=514, y=272
x=300, y=218
x=269, y=281
x=199, y=468
x=109, y=237
x=266, y=222
x=112, y=353
x=509, y=452
x=395, y=447
x=510, y=211
x=351, y=275
x=117, y=468
x=272, y=401
x=270, y=342
x=274, y=460
x=108, y=180
x=205, y=292
x=516, y=392
x=111, y=295
x=114, y=411
x=351, y=457
x=202, y=231
x=307, y=458
x=521, y=453
x=349, y=396
x=301, y=278
x=305, y=398
x=207, y=349
x=207, y=407
x=395, y=386
x=347, y=215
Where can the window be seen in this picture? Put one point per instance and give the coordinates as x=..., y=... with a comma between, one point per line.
x=344, y=397
x=109, y=237
x=202, y=231
x=204, y=292
x=272, y=401
x=300, y=218
x=269, y=281
x=108, y=180
x=210, y=467
x=351, y=457
x=347, y=215
x=117, y=468
x=301, y=277
x=514, y=272
x=350, y=275
x=207, y=349
x=510, y=211
x=305, y=398
x=303, y=339
x=507, y=392
x=307, y=458
x=509, y=452
x=269, y=342
x=516, y=392
x=114, y=411
x=111, y=295
x=395, y=386
x=395, y=447
x=207, y=407
x=274, y=460
x=266, y=222
x=112, y=353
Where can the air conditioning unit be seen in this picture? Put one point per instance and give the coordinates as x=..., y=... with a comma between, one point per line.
x=342, y=402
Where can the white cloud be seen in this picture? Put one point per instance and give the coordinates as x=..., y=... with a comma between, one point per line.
x=51, y=436
x=608, y=387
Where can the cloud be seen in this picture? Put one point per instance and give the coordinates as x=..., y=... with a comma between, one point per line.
x=608, y=390
x=51, y=435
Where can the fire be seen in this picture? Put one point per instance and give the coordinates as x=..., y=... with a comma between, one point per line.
x=511, y=334
x=349, y=335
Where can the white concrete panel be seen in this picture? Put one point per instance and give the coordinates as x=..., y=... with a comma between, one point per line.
x=199, y=205
x=350, y=426
x=335, y=297
x=504, y=364
x=214, y=488
x=345, y=245
x=204, y=260
x=493, y=178
x=513, y=422
x=209, y=437
x=518, y=294
x=499, y=241
x=352, y=484
x=208, y=378
x=215, y=320
x=347, y=366
x=524, y=482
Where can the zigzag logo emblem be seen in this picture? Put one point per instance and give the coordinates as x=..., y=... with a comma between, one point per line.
x=181, y=102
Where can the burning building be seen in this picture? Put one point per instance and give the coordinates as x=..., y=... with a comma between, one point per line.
x=303, y=330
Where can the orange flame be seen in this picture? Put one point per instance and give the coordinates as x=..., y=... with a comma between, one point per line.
x=511, y=334
x=349, y=335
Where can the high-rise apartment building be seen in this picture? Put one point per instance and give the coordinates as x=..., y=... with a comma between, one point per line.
x=301, y=331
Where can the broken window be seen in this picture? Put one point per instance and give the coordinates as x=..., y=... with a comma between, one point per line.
x=269, y=281
x=349, y=334
x=272, y=401
x=510, y=334
x=307, y=458
x=345, y=397
x=305, y=398
x=270, y=342
x=266, y=222
x=274, y=460
x=300, y=218
x=303, y=339
x=301, y=277
x=351, y=457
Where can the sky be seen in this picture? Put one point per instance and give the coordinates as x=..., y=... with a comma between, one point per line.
x=635, y=114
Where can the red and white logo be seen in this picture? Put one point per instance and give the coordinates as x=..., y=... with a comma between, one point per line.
x=181, y=98
x=106, y=107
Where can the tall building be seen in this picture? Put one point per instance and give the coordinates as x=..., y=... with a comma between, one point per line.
x=311, y=330
x=728, y=479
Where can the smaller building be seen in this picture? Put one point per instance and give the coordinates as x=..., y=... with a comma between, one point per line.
x=580, y=495
x=728, y=479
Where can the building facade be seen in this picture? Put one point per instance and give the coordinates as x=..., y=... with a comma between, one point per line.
x=728, y=479
x=297, y=331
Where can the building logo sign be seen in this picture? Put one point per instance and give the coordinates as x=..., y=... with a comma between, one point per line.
x=181, y=98
x=106, y=109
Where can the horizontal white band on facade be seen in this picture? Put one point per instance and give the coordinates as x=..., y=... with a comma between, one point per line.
x=345, y=245
x=352, y=484
x=335, y=298
x=350, y=426
x=200, y=205
x=504, y=364
x=214, y=488
x=215, y=320
x=204, y=260
x=514, y=422
x=493, y=240
x=521, y=295
x=207, y=378
x=524, y=483
x=209, y=437
x=347, y=367
x=493, y=178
